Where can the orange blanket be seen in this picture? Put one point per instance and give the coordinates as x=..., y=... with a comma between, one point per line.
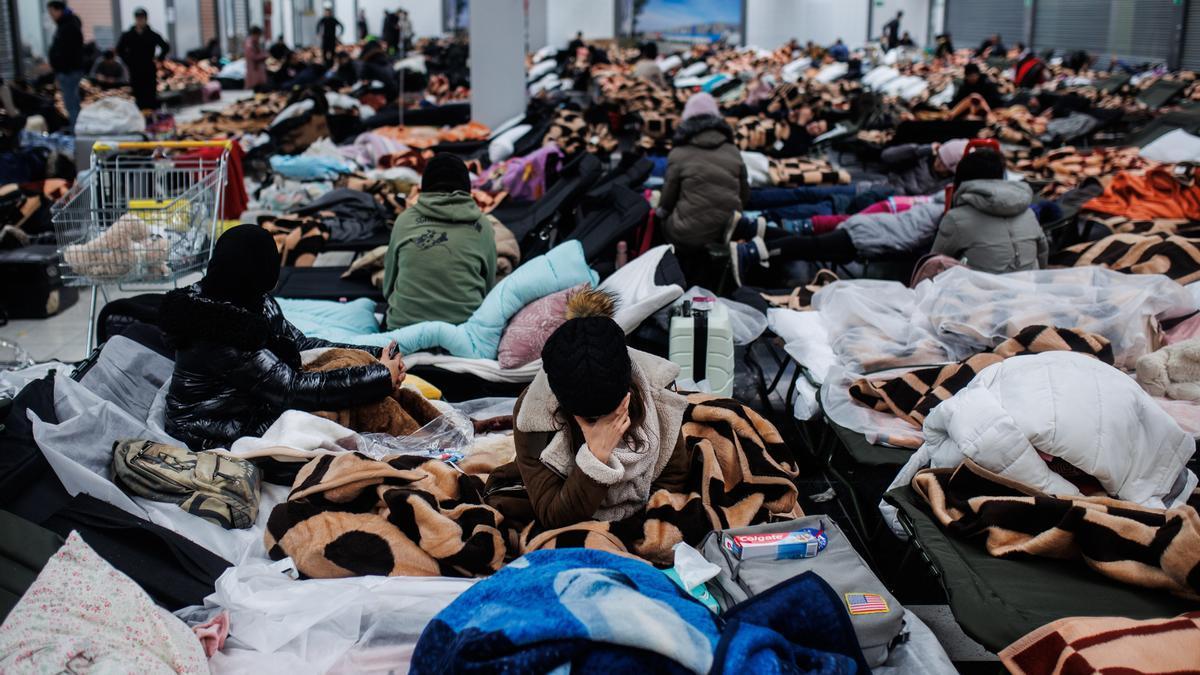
x=1155, y=193
x=427, y=137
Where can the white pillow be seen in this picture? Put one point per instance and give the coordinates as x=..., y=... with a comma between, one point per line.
x=638, y=296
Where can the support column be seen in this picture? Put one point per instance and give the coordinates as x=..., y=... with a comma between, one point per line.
x=497, y=60
x=1181, y=10
x=536, y=22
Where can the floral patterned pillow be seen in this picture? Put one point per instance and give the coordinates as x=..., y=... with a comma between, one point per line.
x=81, y=614
x=527, y=332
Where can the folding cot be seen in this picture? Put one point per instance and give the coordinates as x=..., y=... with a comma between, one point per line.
x=997, y=600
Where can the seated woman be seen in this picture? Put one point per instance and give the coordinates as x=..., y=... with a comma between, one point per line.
x=990, y=226
x=598, y=431
x=237, y=360
x=109, y=73
x=706, y=182
x=441, y=259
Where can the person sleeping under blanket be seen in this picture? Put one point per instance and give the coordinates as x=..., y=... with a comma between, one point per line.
x=237, y=362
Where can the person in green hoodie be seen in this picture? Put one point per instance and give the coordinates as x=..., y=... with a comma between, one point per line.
x=441, y=259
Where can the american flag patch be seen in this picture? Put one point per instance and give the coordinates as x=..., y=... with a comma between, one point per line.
x=865, y=603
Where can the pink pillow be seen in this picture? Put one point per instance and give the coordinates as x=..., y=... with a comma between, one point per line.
x=527, y=332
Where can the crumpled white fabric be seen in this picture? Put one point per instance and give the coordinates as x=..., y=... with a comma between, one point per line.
x=806, y=341
x=1173, y=147
x=310, y=626
x=832, y=72
x=79, y=449
x=110, y=116
x=879, y=76
x=13, y=381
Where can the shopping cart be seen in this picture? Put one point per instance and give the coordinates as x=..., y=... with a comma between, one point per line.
x=144, y=216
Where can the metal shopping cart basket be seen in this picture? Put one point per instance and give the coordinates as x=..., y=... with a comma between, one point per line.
x=145, y=215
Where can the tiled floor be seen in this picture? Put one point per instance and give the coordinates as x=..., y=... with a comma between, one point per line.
x=63, y=337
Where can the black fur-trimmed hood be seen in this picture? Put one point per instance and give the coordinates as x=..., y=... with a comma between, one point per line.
x=186, y=315
x=692, y=131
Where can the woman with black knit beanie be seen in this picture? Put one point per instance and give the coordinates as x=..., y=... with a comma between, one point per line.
x=990, y=226
x=237, y=359
x=598, y=430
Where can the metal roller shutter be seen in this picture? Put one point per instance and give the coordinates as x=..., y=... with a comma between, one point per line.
x=1069, y=25
x=970, y=21
x=1142, y=30
x=241, y=18
x=1191, y=37
x=1137, y=30
x=9, y=66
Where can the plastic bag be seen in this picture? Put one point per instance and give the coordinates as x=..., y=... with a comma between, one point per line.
x=110, y=116
x=17, y=368
x=447, y=437
x=486, y=408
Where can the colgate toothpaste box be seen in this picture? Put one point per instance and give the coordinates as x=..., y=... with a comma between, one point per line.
x=804, y=543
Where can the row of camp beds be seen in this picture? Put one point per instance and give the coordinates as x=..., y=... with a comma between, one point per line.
x=994, y=600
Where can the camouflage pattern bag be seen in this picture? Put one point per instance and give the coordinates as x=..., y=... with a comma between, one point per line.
x=216, y=487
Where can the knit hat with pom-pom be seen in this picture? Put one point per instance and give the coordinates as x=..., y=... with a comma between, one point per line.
x=586, y=360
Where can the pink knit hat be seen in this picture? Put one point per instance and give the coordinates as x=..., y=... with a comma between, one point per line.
x=951, y=152
x=703, y=104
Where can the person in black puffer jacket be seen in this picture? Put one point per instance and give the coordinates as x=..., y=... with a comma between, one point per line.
x=237, y=362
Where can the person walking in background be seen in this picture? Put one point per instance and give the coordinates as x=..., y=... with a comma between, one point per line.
x=362, y=24
x=330, y=29
x=944, y=47
x=141, y=48
x=404, y=26
x=256, y=58
x=66, y=55
x=891, y=32
x=391, y=31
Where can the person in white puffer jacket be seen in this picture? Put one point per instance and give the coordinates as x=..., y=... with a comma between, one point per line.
x=1069, y=406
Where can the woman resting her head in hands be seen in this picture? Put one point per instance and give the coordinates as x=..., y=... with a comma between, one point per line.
x=598, y=430
x=237, y=359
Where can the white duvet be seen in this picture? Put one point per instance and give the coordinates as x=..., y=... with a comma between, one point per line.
x=1069, y=406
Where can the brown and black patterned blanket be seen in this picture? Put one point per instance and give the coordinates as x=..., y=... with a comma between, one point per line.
x=1151, y=548
x=350, y=515
x=742, y=474
x=1156, y=252
x=914, y=394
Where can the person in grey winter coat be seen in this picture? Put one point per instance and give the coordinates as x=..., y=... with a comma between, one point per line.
x=915, y=169
x=706, y=181
x=990, y=226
